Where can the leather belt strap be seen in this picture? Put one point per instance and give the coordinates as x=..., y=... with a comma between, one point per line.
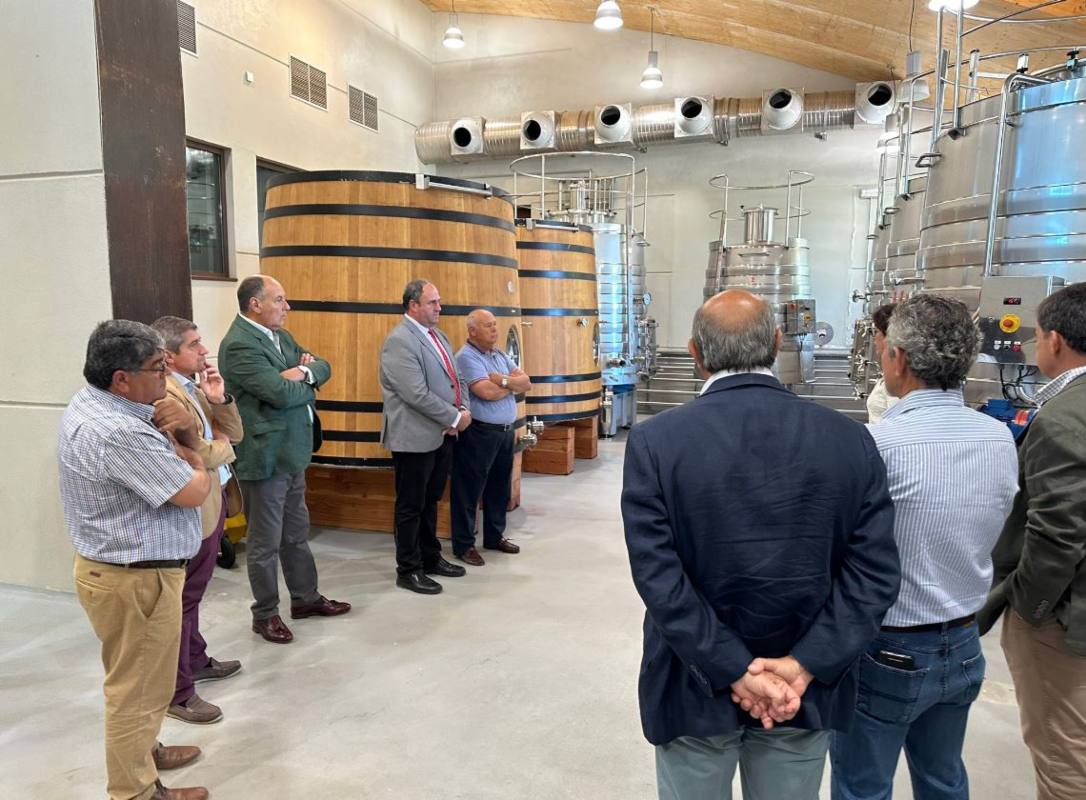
x=960, y=622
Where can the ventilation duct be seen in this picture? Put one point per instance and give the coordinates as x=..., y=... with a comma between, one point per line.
x=875, y=101
x=782, y=110
x=537, y=130
x=693, y=117
x=466, y=137
x=619, y=126
x=613, y=124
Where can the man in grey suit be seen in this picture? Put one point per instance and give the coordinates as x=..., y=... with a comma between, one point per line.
x=424, y=408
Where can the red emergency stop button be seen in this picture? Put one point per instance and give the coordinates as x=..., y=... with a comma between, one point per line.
x=1010, y=323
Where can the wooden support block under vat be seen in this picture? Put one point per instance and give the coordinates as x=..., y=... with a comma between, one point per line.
x=554, y=454
x=360, y=499
x=586, y=437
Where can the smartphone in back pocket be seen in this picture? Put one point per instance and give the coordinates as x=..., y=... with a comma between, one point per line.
x=895, y=660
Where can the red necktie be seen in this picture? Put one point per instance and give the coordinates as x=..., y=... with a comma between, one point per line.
x=448, y=365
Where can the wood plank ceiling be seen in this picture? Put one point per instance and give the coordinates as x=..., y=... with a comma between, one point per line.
x=859, y=39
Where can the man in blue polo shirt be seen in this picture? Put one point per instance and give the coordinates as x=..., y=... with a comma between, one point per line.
x=483, y=454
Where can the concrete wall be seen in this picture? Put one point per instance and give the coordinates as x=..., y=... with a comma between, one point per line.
x=54, y=267
x=511, y=65
x=381, y=46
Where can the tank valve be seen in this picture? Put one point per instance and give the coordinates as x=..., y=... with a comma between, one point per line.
x=535, y=427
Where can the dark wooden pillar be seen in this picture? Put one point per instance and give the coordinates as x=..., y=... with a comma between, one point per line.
x=143, y=149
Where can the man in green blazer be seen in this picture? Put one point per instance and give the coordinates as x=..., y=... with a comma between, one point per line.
x=274, y=382
x=1040, y=559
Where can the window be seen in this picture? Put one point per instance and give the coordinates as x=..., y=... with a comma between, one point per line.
x=265, y=171
x=205, y=183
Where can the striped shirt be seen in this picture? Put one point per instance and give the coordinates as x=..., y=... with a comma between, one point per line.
x=117, y=474
x=953, y=474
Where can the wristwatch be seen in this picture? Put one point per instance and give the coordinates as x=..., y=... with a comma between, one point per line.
x=505, y=381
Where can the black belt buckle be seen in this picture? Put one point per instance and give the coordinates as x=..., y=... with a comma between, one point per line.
x=496, y=426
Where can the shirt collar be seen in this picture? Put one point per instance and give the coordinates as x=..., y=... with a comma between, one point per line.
x=926, y=398
x=417, y=324
x=185, y=381
x=123, y=404
x=725, y=373
x=266, y=331
x=1057, y=385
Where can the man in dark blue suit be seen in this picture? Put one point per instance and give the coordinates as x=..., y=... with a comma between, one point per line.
x=759, y=526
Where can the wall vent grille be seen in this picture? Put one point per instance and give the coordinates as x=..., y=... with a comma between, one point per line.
x=362, y=107
x=308, y=83
x=186, y=27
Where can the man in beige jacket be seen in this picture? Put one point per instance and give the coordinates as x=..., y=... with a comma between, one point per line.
x=216, y=416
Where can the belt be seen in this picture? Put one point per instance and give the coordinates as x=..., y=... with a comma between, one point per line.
x=960, y=622
x=493, y=426
x=172, y=563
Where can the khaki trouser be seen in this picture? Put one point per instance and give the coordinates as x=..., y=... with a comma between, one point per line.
x=1051, y=687
x=136, y=614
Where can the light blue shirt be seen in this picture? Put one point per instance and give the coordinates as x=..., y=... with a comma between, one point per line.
x=475, y=366
x=953, y=474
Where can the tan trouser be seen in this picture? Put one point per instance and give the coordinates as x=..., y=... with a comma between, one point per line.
x=1051, y=687
x=136, y=613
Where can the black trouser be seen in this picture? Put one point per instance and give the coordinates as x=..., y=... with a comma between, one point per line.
x=420, y=482
x=482, y=466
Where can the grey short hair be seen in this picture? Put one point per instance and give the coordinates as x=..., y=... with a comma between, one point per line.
x=413, y=291
x=118, y=344
x=938, y=336
x=251, y=287
x=173, y=330
x=730, y=347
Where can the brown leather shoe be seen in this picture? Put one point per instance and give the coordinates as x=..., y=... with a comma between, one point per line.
x=174, y=757
x=216, y=670
x=273, y=630
x=187, y=793
x=322, y=608
x=471, y=556
x=195, y=710
x=504, y=546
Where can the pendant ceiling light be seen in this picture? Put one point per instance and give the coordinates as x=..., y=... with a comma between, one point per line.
x=454, y=37
x=652, y=77
x=951, y=5
x=608, y=16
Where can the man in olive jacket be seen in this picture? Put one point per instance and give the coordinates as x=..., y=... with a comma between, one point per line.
x=1040, y=559
x=274, y=382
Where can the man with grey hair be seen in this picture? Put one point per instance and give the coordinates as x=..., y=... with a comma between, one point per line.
x=132, y=484
x=758, y=526
x=483, y=454
x=425, y=407
x=953, y=476
x=215, y=415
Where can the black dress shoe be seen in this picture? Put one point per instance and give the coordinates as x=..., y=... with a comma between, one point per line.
x=445, y=569
x=417, y=582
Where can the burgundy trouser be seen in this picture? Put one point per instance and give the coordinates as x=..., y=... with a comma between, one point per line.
x=192, y=655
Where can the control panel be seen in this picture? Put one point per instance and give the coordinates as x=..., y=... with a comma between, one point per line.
x=799, y=317
x=1007, y=317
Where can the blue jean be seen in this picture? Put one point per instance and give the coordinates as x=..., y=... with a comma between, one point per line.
x=924, y=710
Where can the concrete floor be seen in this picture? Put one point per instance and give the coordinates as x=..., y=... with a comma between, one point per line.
x=518, y=682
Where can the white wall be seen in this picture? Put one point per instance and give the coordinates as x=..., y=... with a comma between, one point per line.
x=381, y=46
x=54, y=265
x=512, y=65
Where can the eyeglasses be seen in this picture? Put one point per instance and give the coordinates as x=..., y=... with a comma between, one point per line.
x=160, y=369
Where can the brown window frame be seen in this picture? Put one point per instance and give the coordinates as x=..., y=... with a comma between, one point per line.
x=222, y=153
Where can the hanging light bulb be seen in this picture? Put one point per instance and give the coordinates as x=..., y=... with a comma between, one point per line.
x=951, y=5
x=454, y=37
x=608, y=16
x=652, y=77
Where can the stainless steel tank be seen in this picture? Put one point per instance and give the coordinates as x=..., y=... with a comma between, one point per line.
x=1000, y=257
x=778, y=272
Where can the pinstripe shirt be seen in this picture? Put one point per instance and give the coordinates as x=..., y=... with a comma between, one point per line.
x=953, y=473
x=117, y=474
